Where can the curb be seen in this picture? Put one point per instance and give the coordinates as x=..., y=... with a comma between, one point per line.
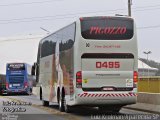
x=143, y=110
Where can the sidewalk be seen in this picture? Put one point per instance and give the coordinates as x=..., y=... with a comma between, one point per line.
x=151, y=108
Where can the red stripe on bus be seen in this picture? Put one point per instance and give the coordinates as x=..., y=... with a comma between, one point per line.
x=81, y=95
x=96, y=95
x=112, y=95
x=99, y=95
x=103, y=95
x=88, y=95
x=92, y=95
x=134, y=94
x=117, y=95
x=130, y=94
x=106, y=95
x=85, y=94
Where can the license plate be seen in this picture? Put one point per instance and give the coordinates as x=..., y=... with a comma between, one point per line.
x=16, y=85
x=108, y=88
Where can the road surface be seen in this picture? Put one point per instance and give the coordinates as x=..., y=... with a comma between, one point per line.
x=31, y=109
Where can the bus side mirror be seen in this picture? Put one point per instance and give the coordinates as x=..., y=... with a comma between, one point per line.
x=33, y=69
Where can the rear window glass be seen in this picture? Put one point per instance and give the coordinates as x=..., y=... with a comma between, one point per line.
x=107, y=28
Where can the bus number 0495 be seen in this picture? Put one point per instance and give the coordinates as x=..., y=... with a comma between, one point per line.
x=107, y=65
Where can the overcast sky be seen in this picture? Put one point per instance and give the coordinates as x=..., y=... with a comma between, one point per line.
x=24, y=17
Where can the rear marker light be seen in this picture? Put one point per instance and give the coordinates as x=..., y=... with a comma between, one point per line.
x=81, y=19
x=79, y=79
x=25, y=85
x=135, y=76
x=6, y=84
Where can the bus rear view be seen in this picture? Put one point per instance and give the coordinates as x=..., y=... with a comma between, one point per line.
x=108, y=66
x=91, y=62
x=17, y=78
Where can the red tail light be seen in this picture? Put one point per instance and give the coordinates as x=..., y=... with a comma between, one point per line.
x=25, y=85
x=7, y=85
x=81, y=19
x=135, y=77
x=79, y=79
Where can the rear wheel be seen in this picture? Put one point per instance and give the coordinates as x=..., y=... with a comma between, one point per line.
x=45, y=103
x=40, y=94
x=30, y=90
x=67, y=108
x=61, y=102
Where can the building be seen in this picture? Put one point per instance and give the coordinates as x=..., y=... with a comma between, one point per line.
x=146, y=70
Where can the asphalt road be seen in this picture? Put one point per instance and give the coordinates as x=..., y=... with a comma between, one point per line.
x=32, y=109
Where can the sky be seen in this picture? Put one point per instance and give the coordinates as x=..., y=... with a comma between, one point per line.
x=27, y=17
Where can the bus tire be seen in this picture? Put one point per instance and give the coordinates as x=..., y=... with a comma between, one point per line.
x=61, y=102
x=58, y=95
x=40, y=94
x=30, y=90
x=45, y=103
x=67, y=108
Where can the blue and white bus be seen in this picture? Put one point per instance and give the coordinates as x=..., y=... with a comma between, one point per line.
x=18, y=78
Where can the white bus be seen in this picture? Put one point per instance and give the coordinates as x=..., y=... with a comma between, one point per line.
x=91, y=62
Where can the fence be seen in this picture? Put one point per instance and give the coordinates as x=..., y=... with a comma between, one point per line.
x=149, y=84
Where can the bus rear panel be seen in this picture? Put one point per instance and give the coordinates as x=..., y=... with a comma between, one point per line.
x=17, y=78
x=107, y=62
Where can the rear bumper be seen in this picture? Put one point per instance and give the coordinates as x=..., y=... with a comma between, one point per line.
x=16, y=91
x=105, y=98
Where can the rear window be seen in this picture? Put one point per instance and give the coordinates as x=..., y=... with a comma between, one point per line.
x=107, y=28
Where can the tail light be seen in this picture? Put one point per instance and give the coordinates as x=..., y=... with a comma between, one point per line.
x=79, y=79
x=135, y=76
x=25, y=85
x=7, y=85
x=81, y=19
